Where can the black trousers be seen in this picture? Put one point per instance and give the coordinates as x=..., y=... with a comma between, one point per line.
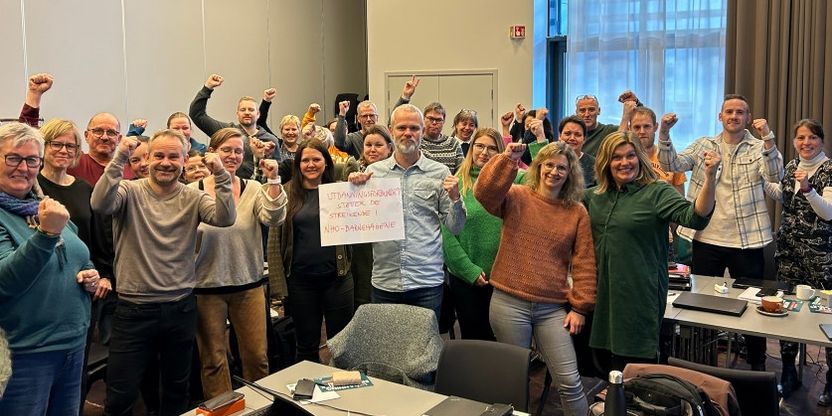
x=142, y=332
x=472, y=303
x=310, y=300
x=711, y=260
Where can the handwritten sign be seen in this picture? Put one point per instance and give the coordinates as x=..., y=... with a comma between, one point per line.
x=366, y=213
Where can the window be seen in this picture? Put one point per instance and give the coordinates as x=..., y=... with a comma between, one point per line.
x=671, y=53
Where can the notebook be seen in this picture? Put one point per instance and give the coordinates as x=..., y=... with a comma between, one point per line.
x=709, y=303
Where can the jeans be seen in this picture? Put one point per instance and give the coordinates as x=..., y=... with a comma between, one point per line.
x=516, y=321
x=426, y=297
x=247, y=312
x=142, y=332
x=472, y=303
x=44, y=383
x=310, y=300
x=711, y=260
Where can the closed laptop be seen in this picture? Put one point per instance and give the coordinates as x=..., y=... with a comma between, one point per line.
x=709, y=303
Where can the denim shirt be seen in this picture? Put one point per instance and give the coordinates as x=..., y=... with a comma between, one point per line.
x=416, y=262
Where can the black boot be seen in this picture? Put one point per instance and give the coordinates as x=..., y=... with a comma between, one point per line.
x=789, y=381
x=825, y=397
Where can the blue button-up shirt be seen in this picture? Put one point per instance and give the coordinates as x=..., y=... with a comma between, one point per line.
x=416, y=262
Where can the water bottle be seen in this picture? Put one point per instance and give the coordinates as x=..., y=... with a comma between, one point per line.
x=615, y=404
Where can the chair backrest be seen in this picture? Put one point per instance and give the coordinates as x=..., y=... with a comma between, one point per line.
x=756, y=390
x=398, y=343
x=485, y=371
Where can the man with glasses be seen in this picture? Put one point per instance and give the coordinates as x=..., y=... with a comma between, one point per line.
x=260, y=143
x=353, y=143
x=102, y=136
x=437, y=146
x=588, y=109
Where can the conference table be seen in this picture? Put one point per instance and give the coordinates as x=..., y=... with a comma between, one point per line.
x=801, y=326
x=382, y=398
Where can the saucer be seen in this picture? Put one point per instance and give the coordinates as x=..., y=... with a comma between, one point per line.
x=761, y=311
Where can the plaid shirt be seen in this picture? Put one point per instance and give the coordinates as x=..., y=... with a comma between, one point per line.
x=750, y=167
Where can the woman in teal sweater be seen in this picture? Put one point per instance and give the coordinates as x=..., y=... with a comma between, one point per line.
x=44, y=271
x=470, y=254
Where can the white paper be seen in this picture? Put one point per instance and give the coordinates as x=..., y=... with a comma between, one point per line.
x=366, y=213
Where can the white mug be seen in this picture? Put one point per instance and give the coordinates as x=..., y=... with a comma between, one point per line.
x=804, y=292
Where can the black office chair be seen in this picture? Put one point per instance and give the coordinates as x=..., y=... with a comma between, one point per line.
x=756, y=390
x=486, y=371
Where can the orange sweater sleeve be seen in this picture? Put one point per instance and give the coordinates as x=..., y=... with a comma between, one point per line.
x=584, y=273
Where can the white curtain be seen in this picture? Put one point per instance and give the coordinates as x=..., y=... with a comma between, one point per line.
x=671, y=53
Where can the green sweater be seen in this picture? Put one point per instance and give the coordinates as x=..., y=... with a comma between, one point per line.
x=473, y=251
x=629, y=228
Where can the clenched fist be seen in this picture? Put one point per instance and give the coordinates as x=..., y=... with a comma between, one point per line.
x=269, y=94
x=213, y=163
x=40, y=83
x=52, y=216
x=213, y=81
x=127, y=145
x=451, y=186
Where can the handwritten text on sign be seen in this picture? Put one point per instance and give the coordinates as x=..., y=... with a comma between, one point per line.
x=361, y=213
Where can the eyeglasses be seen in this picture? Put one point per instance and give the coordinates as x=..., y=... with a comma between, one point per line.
x=469, y=112
x=435, y=120
x=99, y=133
x=586, y=97
x=490, y=149
x=368, y=116
x=14, y=161
x=57, y=146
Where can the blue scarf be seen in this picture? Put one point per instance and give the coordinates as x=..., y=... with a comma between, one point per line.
x=26, y=207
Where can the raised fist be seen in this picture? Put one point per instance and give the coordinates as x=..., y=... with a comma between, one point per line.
x=343, y=107
x=762, y=126
x=515, y=151
x=269, y=94
x=40, y=83
x=668, y=121
x=451, y=186
x=52, y=216
x=127, y=145
x=506, y=119
x=269, y=168
x=314, y=108
x=139, y=122
x=213, y=163
x=213, y=81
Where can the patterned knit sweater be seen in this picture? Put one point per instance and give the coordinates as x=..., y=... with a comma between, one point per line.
x=444, y=150
x=539, y=241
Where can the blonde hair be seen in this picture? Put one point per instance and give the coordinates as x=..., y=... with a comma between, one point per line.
x=464, y=172
x=603, y=159
x=572, y=191
x=289, y=118
x=57, y=127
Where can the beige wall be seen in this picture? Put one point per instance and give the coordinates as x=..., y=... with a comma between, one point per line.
x=435, y=35
x=150, y=58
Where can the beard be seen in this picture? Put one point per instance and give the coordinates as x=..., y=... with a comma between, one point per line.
x=156, y=177
x=407, y=148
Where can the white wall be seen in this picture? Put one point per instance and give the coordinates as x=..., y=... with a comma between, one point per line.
x=148, y=58
x=435, y=35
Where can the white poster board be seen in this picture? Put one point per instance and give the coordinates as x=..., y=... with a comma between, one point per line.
x=366, y=213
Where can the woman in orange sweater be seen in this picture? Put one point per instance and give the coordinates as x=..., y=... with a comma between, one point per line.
x=532, y=295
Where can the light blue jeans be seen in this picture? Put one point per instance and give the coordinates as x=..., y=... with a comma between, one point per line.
x=516, y=321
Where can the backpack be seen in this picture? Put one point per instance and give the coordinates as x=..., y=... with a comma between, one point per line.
x=666, y=395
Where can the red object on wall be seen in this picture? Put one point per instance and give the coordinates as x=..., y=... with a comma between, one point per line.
x=517, y=31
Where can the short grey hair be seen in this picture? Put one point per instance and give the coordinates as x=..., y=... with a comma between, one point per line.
x=186, y=145
x=407, y=108
x=20, y=134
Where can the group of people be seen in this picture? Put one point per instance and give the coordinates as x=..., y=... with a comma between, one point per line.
x=561, y=238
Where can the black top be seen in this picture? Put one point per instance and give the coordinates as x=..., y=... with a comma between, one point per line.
x=93, y=229
x=309, y=258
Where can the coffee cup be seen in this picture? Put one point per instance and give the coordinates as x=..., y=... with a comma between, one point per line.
x=772, y=303
x=804, y=292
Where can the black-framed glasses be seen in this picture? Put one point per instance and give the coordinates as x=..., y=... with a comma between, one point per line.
x=14, y=161
x=435, y=120
x=99, y=132
x=586, y=97
x=57, y=146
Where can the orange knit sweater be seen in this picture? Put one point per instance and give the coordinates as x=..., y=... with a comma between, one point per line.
x=539, y=241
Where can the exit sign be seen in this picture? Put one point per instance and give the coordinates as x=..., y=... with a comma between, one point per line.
x=517, y=31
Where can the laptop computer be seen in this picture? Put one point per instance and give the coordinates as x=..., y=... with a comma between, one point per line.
x=744, y=283
x=459, y=406
x=709, y=303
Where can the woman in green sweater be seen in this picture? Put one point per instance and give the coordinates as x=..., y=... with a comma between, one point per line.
x=470, y=254
x=629, y=212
